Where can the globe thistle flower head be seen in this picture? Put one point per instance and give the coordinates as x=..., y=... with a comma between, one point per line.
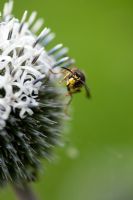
x=31, y=101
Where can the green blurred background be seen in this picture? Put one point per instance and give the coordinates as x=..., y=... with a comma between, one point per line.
x=97, y=161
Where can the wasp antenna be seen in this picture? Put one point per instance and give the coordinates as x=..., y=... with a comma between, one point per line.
x=67, y=69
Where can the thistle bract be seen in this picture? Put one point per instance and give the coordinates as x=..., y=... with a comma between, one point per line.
x=31, y=101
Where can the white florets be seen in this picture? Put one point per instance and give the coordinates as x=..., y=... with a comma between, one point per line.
x=23, y=63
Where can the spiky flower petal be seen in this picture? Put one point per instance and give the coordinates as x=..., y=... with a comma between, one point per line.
x=31, y=102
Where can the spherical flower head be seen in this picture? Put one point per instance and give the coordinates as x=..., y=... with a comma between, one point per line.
x=31, y=100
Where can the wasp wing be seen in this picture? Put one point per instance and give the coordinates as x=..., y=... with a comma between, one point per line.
x=88, y=94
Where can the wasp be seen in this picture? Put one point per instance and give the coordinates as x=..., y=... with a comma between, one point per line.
x=75, y=80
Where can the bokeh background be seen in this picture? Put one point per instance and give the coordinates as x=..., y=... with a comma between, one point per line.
x=97, y=160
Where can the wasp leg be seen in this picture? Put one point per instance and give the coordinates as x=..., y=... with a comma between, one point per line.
x=65, y=78
x=70, y=95
x=67, y=104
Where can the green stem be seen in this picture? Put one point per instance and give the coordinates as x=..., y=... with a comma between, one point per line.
x=24, y=192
